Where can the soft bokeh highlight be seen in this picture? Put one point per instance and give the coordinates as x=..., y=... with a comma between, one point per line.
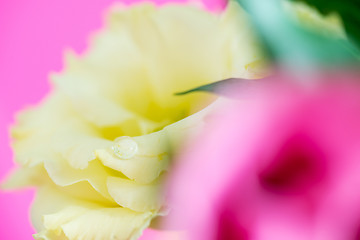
x=282, y=165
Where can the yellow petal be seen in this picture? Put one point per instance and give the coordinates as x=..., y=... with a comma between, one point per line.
x=151, y=159
x=107, y=223
x=140, y=45
x=25, y=177
x=235, y=28
x=137, y=197
x=76, y=141
x=49, y=235
x=48, y=200
x=36, y=126
x=62, y=174
x=82, y=220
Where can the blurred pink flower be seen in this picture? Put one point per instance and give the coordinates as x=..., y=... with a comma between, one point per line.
x=283, y=166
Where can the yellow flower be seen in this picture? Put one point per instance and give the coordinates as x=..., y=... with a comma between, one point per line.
x=98, y=146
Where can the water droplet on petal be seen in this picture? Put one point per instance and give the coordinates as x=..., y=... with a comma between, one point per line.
x=125, y=147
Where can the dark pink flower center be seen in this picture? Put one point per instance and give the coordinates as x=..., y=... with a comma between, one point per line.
x=229, y=227
x=298, y=165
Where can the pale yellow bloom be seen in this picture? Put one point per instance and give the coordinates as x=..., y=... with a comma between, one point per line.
x=91, y=183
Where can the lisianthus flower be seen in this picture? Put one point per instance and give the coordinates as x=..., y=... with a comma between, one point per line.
x=98, y=146
x=284, y=165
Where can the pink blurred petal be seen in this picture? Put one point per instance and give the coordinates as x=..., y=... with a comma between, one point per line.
x=283, y=165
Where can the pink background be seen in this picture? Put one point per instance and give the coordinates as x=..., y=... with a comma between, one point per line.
x=33, y=35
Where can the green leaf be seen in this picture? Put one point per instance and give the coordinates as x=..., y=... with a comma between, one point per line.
x=231, y=87
x=349, y=11
x=293, y=45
